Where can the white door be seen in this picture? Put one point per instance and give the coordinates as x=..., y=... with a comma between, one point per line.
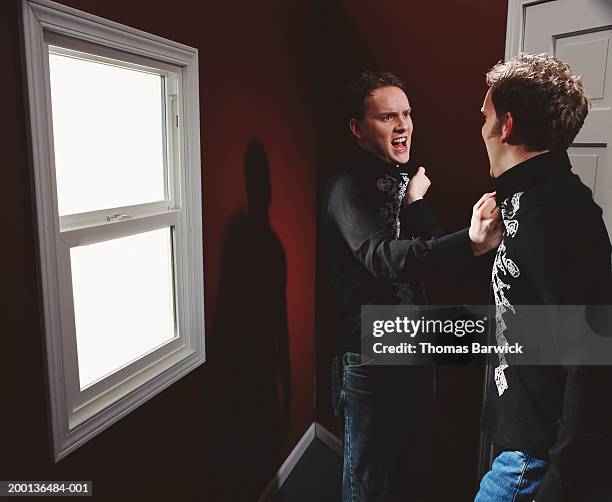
x=577, y=32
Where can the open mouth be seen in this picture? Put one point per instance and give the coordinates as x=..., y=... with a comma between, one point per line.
x=400, y=145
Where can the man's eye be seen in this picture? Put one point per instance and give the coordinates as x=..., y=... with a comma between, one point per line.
x=406, y=114
x=386, y=118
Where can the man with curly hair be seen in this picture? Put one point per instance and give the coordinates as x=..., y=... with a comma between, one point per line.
x=550, y=425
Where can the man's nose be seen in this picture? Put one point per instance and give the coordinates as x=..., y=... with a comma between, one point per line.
x=401, y=125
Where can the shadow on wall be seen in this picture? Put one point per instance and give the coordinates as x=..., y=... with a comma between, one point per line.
x=249, y=379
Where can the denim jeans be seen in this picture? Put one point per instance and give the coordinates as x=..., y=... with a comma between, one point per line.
x=514, y=477
x=386, y=413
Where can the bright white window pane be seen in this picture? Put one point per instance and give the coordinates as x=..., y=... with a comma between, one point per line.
x=108, y=132
x=123, y=301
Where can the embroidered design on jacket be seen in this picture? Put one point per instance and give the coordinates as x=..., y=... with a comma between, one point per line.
x=503, y=269
x=396, y=189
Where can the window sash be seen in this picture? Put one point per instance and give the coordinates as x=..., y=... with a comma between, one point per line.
x=104, y=232
x=172, y=134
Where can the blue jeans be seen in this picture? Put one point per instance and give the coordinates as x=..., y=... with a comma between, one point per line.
x=386, y=414
x=514, y=477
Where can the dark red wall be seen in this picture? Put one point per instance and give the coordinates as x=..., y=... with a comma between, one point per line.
x=217, y=434
x=442, y=49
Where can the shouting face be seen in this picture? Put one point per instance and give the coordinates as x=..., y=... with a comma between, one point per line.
x=386, y=127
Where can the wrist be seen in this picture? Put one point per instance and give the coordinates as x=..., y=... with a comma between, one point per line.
x=477, y=249
x=410, y=199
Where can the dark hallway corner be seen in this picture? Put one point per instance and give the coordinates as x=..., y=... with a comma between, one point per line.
x=316, y=478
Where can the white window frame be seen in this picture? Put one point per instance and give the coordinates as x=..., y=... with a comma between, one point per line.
x=78, y=415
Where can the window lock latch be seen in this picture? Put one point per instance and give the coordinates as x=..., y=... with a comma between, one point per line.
x=118, y=216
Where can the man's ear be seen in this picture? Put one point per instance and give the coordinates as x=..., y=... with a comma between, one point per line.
x=355, y=128
x=507, y=127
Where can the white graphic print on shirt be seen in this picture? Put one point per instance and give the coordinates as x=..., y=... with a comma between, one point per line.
x=503, y=269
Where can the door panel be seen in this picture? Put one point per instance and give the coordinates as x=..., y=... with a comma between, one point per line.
x=585, y=166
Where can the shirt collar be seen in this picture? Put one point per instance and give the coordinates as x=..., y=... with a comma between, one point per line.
x=523, y=176
x=369, y=161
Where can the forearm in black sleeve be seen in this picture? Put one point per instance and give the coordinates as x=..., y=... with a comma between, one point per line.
x=397, y=260
x=418, y=220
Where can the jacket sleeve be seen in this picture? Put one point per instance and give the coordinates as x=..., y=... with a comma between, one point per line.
x=397, y=260
x=418, y=220
x=563, y=271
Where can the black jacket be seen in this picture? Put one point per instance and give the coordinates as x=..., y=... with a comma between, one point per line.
x=555, y=251
x=378, y=249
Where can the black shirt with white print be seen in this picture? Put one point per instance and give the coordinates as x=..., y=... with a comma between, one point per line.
x=555, y=251
x=379, y=248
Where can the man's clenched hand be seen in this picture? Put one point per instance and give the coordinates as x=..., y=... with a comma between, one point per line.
x=486, y=227
x=417, y=187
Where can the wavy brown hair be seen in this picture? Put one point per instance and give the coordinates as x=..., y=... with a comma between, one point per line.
x=546, y=99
